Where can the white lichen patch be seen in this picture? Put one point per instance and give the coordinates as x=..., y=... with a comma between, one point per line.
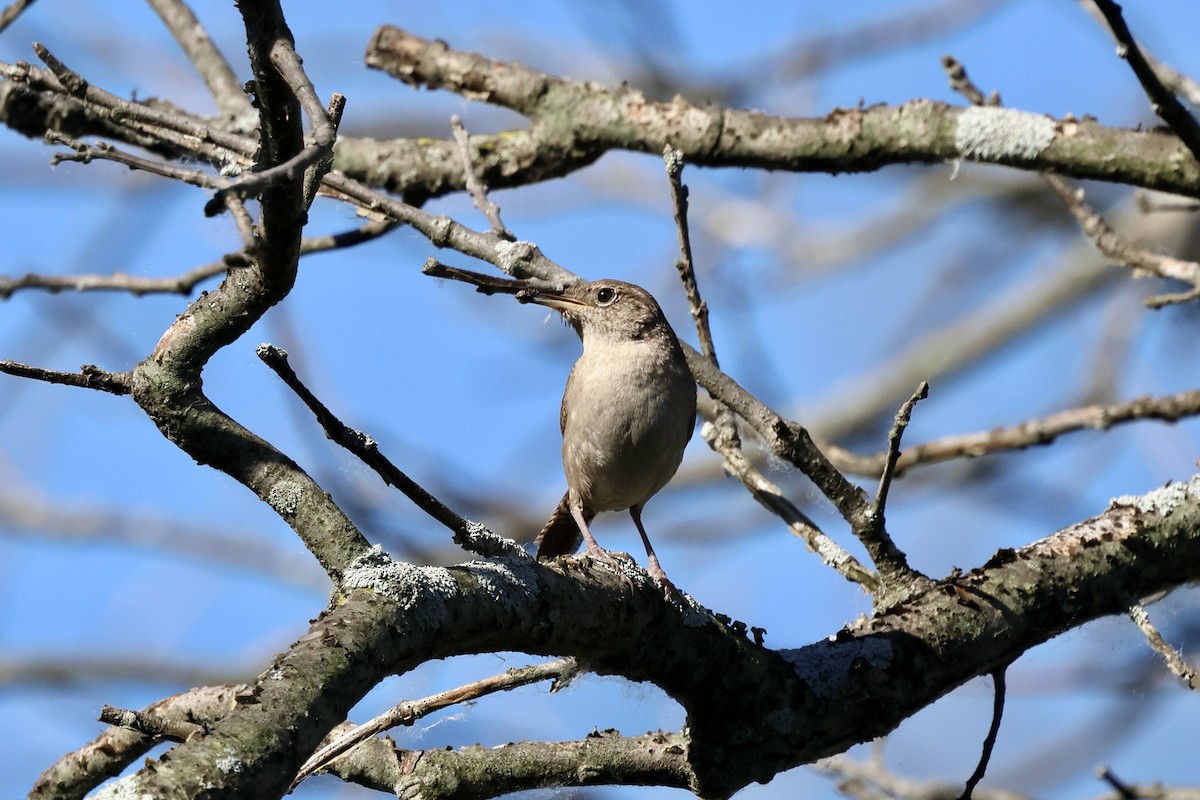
x=375, y=571
x=284, y=497
x=1161, y=501
x=986, y=133
x=229, y=764
x=510, y=255
x=504, y=580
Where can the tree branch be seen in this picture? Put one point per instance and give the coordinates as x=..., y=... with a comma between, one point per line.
x=167, y=385
x=751, y=712
x=468, y=534
x=846, y=140
x=196, y=44
x=88, y=377
x=1166, y=105
x=1032, y=433
x=410, y=711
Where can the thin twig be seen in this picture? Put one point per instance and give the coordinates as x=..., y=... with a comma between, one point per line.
x=685, y=264
x=1119, y=249
x=1171, y=656
x=1107, y=240
x=468, y=534
x=1032, y=433
x=479, y=193
x=872, y=531
x=339, y=241
x=989, y=743
x=194, y=41
x=484, y=284
x=243, y=222
x=164, y=125
x=88, y=377
x=115, y=282
x=1175, y=81
x=185, y=283
x=722, y=434
x=893, y=449
x=409, y=712
x=103, y=151
x=1123, y=789
x=771, y=497
x=1165, y=104
x=1157, y=301
x=9, y=15
x=315, y=174
x=520, y=259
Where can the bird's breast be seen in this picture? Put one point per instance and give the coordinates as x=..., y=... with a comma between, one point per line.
x=628, y=412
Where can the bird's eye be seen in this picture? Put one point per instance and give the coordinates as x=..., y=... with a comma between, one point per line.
x=606, y=296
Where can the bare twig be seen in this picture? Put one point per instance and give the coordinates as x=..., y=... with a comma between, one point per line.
x=893, y=449
x=989, y=742
x=722, y=433
x=872, y=531
x=1107, y=240
x=1120, y=249
x=520, y=259
x=959, y=82
x=339, y=241
x=78, y=772
x=470, y=535
x=185, y=283
x=479, y=193
x=11, y=12
x=685, y=264
x=1035, y=432
x=771, y=497
x=88, y=377
x=166, y=125
x=1165, y=104
x=409, y=712
x=1157, y=301
x=1170, y=656
x=313, y=160
x=114, y=282
x=786, y=438
x=194, y=40
x=1174, y=80
x=1124, y=790
x=103, y=151
x=484, y=284
x=871, y=780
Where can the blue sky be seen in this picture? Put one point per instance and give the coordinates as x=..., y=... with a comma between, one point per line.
x=462, y=390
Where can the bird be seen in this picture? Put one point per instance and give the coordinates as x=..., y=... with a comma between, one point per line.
x=627, y=413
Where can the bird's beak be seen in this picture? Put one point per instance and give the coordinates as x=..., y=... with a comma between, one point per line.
x=550, y=299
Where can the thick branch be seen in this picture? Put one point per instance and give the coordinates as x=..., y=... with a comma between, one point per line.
x=577, y=118
x=751, y=712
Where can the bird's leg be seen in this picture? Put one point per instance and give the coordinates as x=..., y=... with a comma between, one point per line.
x=614, y=560
x=652, y=566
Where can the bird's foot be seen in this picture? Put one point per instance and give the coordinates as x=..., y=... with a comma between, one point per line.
x=613, y=558
x=656, y=572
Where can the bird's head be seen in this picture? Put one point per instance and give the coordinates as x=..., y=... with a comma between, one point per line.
x=604, y=309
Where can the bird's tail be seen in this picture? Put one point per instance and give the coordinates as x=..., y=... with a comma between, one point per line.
x=561, y=536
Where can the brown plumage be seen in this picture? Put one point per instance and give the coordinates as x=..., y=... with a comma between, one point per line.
x=627, y=413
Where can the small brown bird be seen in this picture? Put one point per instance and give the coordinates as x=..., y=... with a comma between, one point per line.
x=627, y=414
